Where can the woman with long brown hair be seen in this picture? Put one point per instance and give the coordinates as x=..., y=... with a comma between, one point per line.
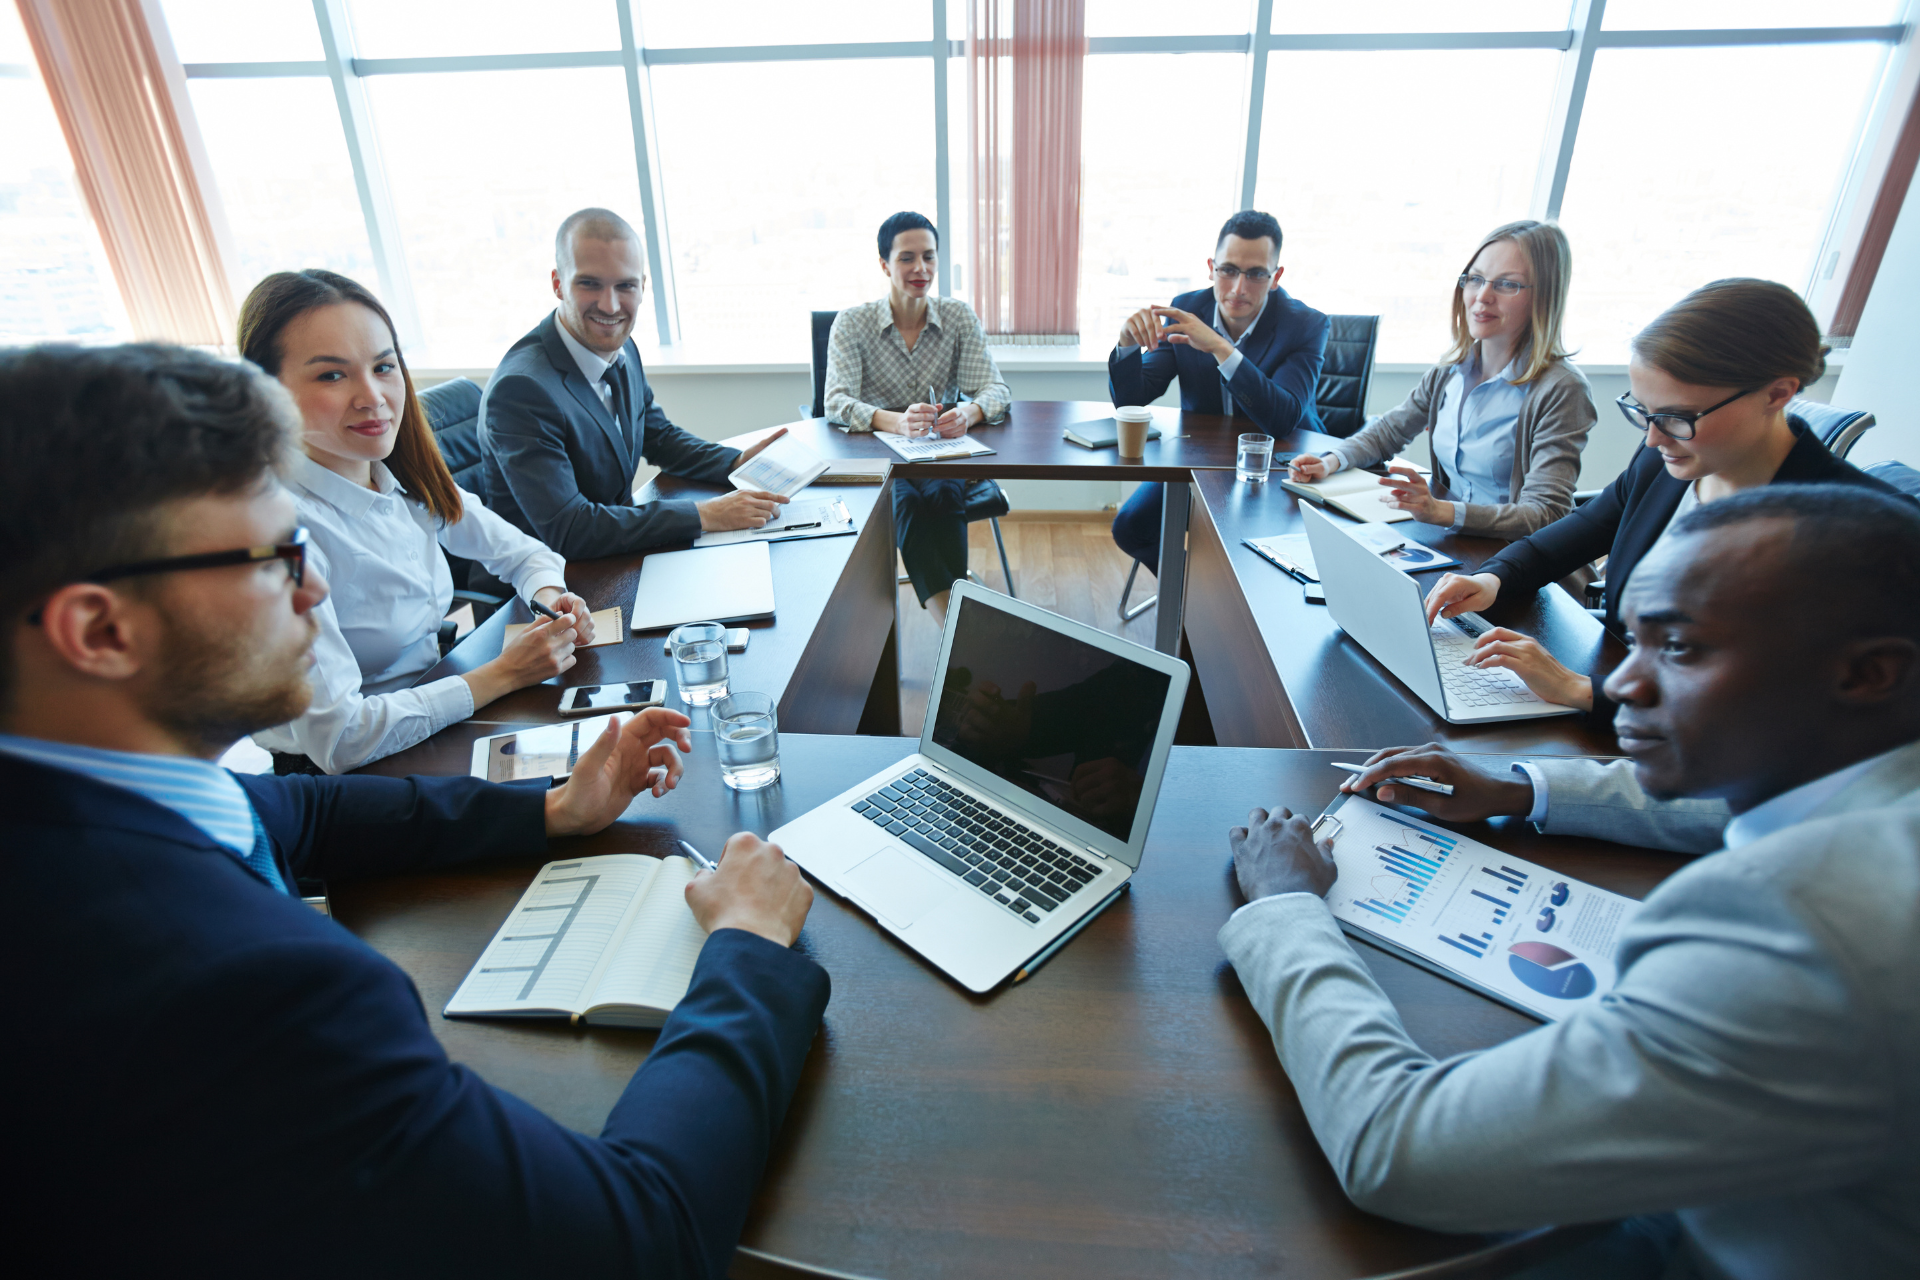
x=1709, y=383
x=380, y=504
x=1505, y=412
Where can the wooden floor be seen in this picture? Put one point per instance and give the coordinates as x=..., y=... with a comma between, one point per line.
x=1062, y=560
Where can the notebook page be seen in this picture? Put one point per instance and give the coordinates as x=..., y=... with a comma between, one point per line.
x=545, y=955
x=654, y=962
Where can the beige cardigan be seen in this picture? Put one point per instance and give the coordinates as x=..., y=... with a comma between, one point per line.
x=1548, y=438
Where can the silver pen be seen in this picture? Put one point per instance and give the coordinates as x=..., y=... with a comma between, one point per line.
x=700, y=859
x=1411, y=780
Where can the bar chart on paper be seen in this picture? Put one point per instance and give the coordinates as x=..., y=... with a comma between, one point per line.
x=1473, y=912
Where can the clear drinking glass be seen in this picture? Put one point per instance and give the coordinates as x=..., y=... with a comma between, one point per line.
x=700, y=661
x=746, y=732
x=1256, y=455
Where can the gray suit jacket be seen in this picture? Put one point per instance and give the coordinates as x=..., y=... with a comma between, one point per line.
x=1602, y=799
x=1757, y=1067
x=559, y=466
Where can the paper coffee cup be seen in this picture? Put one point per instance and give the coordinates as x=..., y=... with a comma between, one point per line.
x=1133, y=423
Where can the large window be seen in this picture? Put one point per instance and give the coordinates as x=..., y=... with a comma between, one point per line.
x=758, y=144
x=1380, y=214
x=54, y=281
x=1697, y=164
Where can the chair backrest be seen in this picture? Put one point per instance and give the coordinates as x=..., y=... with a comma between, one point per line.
x=453, y=411
x=1837, y=428
x=1341, y=397
x=1898, y=474
x=822, y=327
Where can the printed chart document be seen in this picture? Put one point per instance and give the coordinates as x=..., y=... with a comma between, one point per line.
x=931, y=448
x=825, y=518
x=609, y=940
x=1510, y=929
x=1293, y=554
x=606, y=628
x=784, y=467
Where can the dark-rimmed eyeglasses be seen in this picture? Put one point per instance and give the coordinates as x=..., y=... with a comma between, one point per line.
x=292, y=552
x=1505, y=288
x=1228, y=272
x=1677, y=424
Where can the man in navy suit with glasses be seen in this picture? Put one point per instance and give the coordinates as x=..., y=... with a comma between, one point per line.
x=207, y=1076
x=1243, y=348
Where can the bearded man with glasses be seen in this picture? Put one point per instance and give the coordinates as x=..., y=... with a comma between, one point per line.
x=210, y=1076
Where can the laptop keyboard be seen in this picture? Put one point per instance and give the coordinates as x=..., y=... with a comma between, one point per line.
x=1012, y=864
x=1473, y=687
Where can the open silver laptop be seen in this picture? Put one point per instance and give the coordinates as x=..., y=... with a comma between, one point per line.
x=1026, y=806
x=1383, y=609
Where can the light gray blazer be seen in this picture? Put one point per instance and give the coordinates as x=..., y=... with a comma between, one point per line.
x=1547, y=440
x=1757, y=1067
x=1602, y=799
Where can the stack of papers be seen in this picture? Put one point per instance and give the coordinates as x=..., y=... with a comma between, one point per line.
x=784, y=467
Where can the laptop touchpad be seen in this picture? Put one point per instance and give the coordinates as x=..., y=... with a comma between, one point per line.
x=896, y=888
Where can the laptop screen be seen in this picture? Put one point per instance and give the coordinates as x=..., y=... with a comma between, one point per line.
x=1065, y=720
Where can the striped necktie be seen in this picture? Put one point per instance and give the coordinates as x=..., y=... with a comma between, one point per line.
x=260, y=859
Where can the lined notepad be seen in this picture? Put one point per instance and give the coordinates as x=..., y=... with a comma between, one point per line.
x=606, y=628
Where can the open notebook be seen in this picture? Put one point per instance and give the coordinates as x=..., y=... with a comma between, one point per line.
x=609, y=940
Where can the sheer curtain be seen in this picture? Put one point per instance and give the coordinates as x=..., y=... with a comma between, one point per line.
x=115, y=84
x=1026, y=62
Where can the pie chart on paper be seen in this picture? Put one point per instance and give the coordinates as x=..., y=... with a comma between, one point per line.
x=1551, y=971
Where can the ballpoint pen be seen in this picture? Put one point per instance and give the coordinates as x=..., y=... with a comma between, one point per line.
x=1412, y=780
x=542, y=610
x=700, y=859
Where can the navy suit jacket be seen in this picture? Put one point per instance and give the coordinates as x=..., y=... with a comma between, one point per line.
x=1274, y=385
x=207, y=1076
x=560, y=468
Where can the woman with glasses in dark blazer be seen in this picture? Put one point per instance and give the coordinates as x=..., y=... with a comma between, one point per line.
x=1709, y=384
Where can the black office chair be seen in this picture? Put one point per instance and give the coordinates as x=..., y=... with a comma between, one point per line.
x=1837, y=428
x=985, y=499
x=1898, y=474
x=453, y=411
x=1341, y=396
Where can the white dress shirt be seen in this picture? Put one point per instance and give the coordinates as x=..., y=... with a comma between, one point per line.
x=380, y=554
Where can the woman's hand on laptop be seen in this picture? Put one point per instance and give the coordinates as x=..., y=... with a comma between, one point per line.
x=623, y=761
x=1478, y=793
x=755, y=889
x=1454, y=595
x=1529, y=659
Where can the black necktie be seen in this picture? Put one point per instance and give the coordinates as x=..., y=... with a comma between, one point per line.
x=616, y=379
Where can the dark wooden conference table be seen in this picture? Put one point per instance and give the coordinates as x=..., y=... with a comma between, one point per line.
x=1122, y=1113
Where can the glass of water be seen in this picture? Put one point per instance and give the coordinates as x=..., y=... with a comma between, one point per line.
x=747, y=735
x=700, y=660
x=1256, y=455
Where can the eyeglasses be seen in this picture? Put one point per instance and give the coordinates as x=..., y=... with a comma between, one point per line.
x=1228, y=272
x=1679, y=425
x=293, y=552
x=1505, y=288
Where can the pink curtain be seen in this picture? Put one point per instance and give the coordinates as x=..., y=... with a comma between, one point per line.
x=1024, y=180
x=110, y=70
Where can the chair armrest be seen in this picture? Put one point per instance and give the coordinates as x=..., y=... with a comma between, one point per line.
x=1581, y=497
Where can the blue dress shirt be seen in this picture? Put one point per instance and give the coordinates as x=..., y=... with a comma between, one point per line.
x=201, y=792
x=1473, y=433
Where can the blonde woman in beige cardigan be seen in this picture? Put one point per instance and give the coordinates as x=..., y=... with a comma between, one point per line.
x=1505, y=413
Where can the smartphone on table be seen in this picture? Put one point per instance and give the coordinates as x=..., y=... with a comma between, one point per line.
x=591, y=699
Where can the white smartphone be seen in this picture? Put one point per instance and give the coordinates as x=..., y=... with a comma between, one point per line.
x=587, y=699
